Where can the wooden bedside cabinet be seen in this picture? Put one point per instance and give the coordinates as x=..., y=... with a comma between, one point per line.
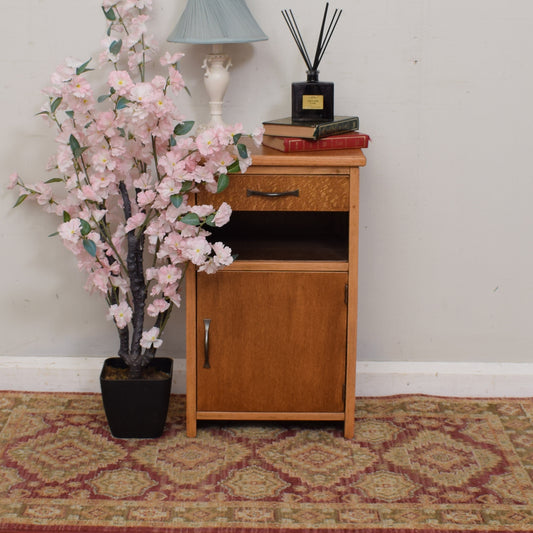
x=273, y=336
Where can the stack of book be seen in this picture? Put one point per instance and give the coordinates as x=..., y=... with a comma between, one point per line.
x=286, y=135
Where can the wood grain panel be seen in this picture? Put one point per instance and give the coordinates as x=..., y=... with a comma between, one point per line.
x=277, y=341
x=315, y=193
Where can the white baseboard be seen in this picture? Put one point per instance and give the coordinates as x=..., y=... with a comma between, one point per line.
x=481, y=380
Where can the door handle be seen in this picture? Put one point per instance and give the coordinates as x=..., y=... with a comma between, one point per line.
x=250, y=192
x=207, y=325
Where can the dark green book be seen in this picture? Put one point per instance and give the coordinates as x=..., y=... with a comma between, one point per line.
x=286, y=127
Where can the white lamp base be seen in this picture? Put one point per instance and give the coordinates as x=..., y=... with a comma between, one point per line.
x=216, y=79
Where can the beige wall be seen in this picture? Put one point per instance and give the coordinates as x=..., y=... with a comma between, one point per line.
x=444, y=88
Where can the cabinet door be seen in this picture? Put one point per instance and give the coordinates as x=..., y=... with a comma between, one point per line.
x=277, y=341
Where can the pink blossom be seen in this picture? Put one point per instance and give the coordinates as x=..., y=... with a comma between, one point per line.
x=151, y=338
x=121, y=81
x=157, y=306
x=223, y=215
x=168, y=274
x=159, y=83
x=106, y=54
x=257, y=135
x=103, y=160
x=202, y=210
x=71, y=230
x=143, y=181
x=64, y=160
x=151, y=273
x=171, y=163
x=98, y=280
x=168, y=188
x=13, y=180
x=168, y=59
x=223, y=255
x=221, y=258
x=142, y=93
x=105, y=123
x=44, y=193
x=134, y=222
x=79, y=87
x=196, y=249
x=207, y=141
x=145, y=198
x=101, y=181
x=88, y=193
x=62, y=74
x=175, y=78
x=119, y=282
x=135, y=59
x=244, y=164
x=172, y=247
x=121, y=314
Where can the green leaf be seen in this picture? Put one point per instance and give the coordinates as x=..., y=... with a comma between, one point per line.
x=222, y=183
x=186, y=186
x=66, y=216
x=243, y=152
x=77, y=150
x=109, y=14
x=176, y=199
x=85, y=227
x=102, y=98
x=20, y=199
x=55, y=234
x=184, y=127
x=122, y=102
x=74, y=144
x=172, y=141
x=121, y=132
x=236, y=138
x=191, y=218
x=54, y=180
x=90, y=247
x=115, y=47
x=70, y=114
x=234, y=167
x=55, y=104
x=83, y=68
x=210, y=220
x=109, y=29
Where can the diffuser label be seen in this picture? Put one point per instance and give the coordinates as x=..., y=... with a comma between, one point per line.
x=312, y=101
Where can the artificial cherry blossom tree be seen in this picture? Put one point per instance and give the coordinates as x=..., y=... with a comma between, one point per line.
x=126, y=169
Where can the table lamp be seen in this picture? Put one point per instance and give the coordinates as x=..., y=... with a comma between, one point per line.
x=216, y=22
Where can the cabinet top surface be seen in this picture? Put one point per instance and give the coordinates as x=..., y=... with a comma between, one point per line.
x=264, y=155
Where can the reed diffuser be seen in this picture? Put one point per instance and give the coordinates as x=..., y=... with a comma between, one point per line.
x=312, y=100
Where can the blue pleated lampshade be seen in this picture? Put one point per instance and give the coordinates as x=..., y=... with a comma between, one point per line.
x=216, y=21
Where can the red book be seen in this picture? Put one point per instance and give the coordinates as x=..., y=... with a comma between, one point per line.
x=333, y=142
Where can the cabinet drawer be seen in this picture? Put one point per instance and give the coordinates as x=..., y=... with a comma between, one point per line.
x=283, y=193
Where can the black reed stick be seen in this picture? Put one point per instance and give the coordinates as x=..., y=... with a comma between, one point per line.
x=293, y=27
x=323, y=38
x=329, y=34
x=319, y=42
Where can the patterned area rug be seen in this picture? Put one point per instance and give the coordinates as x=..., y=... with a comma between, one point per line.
x=417, y=464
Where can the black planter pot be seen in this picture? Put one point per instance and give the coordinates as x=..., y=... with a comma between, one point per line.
x=136, y=408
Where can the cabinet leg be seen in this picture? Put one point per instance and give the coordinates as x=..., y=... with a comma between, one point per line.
x=191, y=427
x=349, y=429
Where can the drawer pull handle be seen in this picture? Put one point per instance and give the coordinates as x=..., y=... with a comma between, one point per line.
x=249, y=192
x=207, y=324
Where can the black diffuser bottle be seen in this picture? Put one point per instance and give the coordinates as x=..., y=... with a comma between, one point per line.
x=312, y=100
